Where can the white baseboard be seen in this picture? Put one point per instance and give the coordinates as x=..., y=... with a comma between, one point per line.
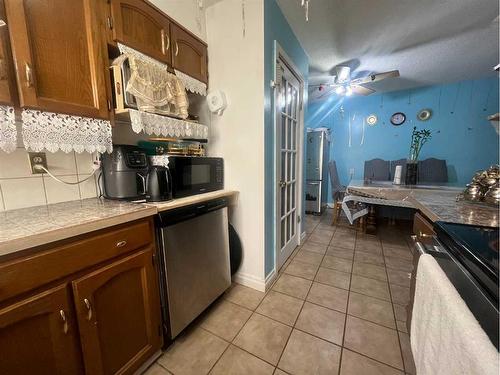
x=330, y=205
x=270, y=279
x=303, y=237
x=250, y=281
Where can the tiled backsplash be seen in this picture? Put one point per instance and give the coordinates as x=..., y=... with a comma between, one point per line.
x=19, y=188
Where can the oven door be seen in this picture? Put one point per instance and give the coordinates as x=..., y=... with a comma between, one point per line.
x=195, y=175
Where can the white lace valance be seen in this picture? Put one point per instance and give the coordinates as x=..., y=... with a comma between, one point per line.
x=191, y=83
x=130, y=51
x=54, y=131
x=8, y=132
x=152, y=124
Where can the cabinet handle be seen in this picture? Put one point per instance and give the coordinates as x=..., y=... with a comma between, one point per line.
x=168, y=41
x=163, y=50
x=3, y=70
x=176, y=48
x=2, y=23
x=89, y=308
x=65, y=321
x=121, y=243
x=29, y=75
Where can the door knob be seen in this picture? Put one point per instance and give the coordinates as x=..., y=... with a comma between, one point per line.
x=282, y=183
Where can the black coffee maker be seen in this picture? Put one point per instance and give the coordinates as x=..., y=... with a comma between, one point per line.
x=127, y=175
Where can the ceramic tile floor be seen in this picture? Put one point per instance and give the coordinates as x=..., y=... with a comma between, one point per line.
x=337, y=307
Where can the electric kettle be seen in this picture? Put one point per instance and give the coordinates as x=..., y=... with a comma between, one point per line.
x=158, y=184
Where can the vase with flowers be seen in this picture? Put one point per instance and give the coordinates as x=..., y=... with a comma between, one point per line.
x=418, y=139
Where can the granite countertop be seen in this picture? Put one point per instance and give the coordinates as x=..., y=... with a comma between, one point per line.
x=26, y=228
x=437, y=202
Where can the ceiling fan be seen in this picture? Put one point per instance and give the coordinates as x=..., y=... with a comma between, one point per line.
x=344, y=85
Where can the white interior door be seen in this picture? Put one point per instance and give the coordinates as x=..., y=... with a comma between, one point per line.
x=288, y=135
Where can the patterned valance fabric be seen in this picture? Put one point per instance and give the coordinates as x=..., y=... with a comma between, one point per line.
x=8, y=132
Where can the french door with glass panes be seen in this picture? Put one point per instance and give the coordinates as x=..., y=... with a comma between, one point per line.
x=288, y=134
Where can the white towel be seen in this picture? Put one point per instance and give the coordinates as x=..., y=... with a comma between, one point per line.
x=446, y=338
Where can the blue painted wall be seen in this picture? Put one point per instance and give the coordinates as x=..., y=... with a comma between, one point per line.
x=462, y=135
x=277, y=29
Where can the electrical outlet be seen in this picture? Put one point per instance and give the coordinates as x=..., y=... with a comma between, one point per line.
x=37, y=158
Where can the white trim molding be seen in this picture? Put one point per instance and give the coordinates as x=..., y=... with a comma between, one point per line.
x=251, y=281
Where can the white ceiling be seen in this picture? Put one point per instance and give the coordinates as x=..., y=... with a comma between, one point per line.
x=430, y=42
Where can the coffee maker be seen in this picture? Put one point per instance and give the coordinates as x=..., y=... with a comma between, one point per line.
x=127, y=175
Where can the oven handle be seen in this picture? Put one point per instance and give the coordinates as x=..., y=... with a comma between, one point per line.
x=420, y=247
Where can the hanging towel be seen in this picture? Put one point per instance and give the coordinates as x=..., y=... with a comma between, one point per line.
x=446, y=338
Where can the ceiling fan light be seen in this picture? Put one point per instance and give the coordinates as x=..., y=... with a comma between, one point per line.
x=339, y=90
x=348, y=91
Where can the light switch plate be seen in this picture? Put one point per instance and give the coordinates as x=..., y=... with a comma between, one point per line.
x=37, y=158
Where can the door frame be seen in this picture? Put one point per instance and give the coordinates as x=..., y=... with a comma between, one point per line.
x=280, y=54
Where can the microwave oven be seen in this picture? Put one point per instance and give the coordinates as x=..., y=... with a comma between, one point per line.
x=193, y=175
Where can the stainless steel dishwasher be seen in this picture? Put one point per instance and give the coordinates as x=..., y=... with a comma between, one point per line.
x=194, y=261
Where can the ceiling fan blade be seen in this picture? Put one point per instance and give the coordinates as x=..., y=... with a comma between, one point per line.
x=361, y=90
x=327, y=92
x=375, y=77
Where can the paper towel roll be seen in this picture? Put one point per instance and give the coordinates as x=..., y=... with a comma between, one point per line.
x=397, y=175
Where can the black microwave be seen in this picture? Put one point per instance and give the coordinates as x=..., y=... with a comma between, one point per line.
x=195, y=175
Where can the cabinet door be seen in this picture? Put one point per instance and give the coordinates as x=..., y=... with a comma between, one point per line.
x=189, y=54
x=39, y=336
x=140, y=26
x=118, y=311
x=7, y=81
x=58, y=56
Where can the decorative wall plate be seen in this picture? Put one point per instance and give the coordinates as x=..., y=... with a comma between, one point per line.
x=398, y=118
x=371, y=120
x=424, y=114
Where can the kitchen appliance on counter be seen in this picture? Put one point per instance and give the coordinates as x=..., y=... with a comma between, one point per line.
x=194, y=262
x=127, y=174
x=318, y=152
x=468, y=255
x=193, y=175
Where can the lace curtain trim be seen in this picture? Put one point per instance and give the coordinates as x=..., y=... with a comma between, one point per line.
x=130, y=51
x=191, y=83
x=55, y=131
x=152, y=124
x=8, y=132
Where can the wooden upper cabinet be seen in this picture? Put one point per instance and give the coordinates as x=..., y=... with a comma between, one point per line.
x=140, y=26
x=58, y=55
x=189, y=54
x=7, y=82
x=118, y=313
x=38, y=335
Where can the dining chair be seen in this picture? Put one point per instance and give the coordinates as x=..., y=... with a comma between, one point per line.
x=338, y=190
x=432, y=170
x=402, y=163
x=377, y=170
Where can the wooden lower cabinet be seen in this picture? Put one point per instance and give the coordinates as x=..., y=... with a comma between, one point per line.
x=118, y=312
x=39, y=335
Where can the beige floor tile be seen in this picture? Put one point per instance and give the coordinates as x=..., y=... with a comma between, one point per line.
x=320, y=238
x=237, y=361
x=370, y=287
x=372, y=309
x=373, y=340
x=244, y=296
x=397, y=277
x=156, y=369
x=400, y=312
x=193, y=353
x=339, y=264
x=309, y=257
x=319, y=230
x=402, y=326
x=314, y=247
x=333, y=278
x=306, y=354
x=407, y=354
x=340, y=252
x=343, y=242
x=369, y=270
x=322, y=322
x=293, y=286
x=280, y=307
x=400, y=294
x=371, y=258
x=369, y=247
x=399, y=264
x=263, y=337
x=403, y=254
x=356, y=364
x=300, y=269
x=328, y=296
x=225, y=319
x=277, y=371
x=326, y=227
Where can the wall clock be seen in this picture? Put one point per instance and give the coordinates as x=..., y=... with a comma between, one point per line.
x=371, y=120
x=424, y=114
x=398, y=118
